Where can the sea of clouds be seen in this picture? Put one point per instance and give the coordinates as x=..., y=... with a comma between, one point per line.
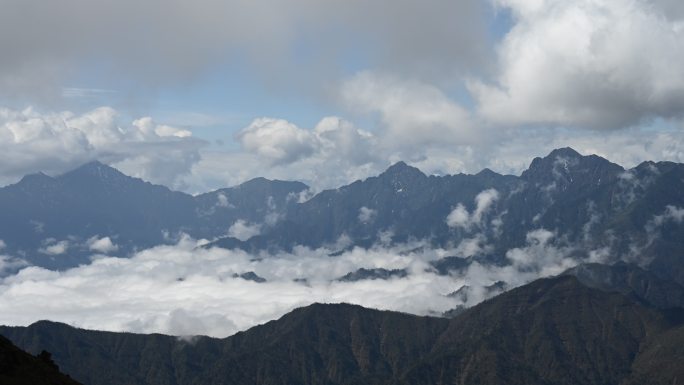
x=186, y=289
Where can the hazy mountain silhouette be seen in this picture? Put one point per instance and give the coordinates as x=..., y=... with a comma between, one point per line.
x=587, y=202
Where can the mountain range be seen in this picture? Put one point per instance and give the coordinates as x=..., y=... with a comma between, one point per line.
x=96, y=201
x=614, y=316
x=551, y=331
x=590, y=206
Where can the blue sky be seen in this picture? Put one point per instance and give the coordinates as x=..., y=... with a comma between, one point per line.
x=447, y=86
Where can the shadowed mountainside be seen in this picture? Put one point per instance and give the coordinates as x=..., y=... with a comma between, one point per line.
x=20, y=368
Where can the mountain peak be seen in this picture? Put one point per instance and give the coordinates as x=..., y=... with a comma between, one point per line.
x=565, y=164
x=487, y=173
x=565, y=152
x=402, y=169
x=95, y=169
x=36, y=178
x=98, y=174
x=95, y=165
x=37, y=182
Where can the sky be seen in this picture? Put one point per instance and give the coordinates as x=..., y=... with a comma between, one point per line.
x=208, y=94
x=199, y=95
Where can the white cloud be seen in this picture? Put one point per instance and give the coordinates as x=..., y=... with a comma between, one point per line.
x=671, y=214
x=57, y=142
x=367, y=215
x=149, y=128
x=184, y=289
x=476, y=245
x=483, y=202
x=541, y=255
x=412, y=112
x=55, y=248
x=9, y=264
x=222, y=201
x=334, y=152
x=243, y=230
x=280, y=143
x=587, y=63
x=277, y=141
x=102, y=245
x=460, y=217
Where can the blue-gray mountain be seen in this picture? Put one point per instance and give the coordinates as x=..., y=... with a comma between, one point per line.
x=96, y=201
x=592, y=206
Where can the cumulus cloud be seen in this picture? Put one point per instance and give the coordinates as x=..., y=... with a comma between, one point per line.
x=332, y=153
x=55, y=248
x=277, y=140
x=540, y=254
x=243, y=230
x=367, y=215
x=222, y=201
x=31, y=141
x=147, y=127
x=412, y=112
x=102, y=245
x=460, y=217
x=586, y=63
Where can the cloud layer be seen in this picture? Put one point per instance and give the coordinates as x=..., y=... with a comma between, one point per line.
x=587, y=63
x=169, y=42
x=31, y=141
x=185, y=290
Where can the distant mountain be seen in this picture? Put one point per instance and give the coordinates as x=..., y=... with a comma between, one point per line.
x=401, y=202
x=363, y=274
x=587, y=203
x=552, y=331
x=97, y=201
x=20, y=368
